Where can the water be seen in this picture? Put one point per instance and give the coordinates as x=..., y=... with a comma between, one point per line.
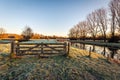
x=42, y=41
x=99, y=49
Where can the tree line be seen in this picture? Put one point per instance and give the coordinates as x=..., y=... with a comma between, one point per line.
x=100, y=24
x=26, y=34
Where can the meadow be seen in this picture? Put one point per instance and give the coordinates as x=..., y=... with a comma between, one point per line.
x=76, y=66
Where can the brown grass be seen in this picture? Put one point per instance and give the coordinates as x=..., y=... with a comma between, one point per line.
x=74, y=53
x=78, y=66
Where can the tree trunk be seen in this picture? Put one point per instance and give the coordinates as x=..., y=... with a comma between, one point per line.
x=104, y=37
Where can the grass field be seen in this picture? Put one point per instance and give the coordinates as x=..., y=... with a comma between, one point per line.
x=77, y=66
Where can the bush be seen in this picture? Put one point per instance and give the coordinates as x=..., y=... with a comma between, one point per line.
x=27, y=33
x=114, y=39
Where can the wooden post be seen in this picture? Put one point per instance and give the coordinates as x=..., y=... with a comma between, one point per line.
x=104, y=51
x=41, y=50
x=68, y=49
x=12, y=48
x=65, y=45
x=17, y=49
x=42, y=47
x=108, y=57
x=89, y=52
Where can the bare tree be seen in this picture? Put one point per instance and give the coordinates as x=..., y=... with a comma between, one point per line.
x=2, y=31
x=71, y=33
x=79, y=31
x=102, y=21
x=74, y=32
x=115, y=16
x=115, y=5
x=92, y=24
x=76, y=29
x=83, y=29
x=27, y=33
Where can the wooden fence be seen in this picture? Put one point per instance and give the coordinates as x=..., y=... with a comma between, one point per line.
x=21, y=49
x=42, y=49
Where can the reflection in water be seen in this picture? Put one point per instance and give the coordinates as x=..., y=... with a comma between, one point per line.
x=112, y=52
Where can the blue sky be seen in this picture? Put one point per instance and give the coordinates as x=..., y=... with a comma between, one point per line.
x=48, y=17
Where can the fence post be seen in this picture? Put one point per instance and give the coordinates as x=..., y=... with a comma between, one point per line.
x=42, y=47
x=108, y=57
x=65, y=45
x=41, y=50
x=68, y=49
x=12, y=49
x=17, y=49
x=89, y=52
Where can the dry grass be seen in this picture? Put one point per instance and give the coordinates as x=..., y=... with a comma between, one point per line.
x=78, y=66
x=74, y=53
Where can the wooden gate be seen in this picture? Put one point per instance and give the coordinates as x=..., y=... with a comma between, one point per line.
x=42, y=49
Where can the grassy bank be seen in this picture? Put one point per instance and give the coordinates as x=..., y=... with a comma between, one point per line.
x=78, y=66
